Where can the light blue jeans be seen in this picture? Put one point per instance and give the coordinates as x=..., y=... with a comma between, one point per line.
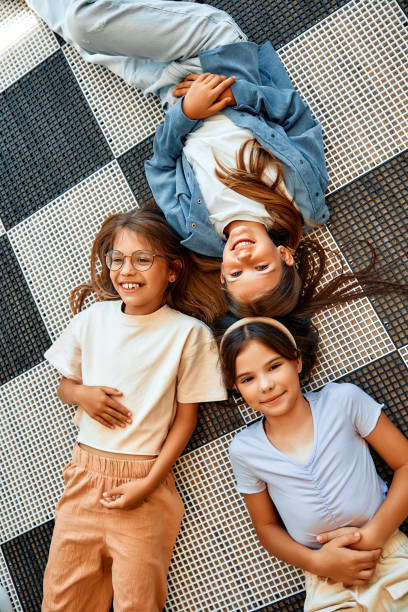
x=151, y=44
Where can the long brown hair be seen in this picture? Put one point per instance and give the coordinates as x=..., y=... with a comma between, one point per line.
x=195, y=292
x=302, y=289
x=249, y=179
x=299, y=289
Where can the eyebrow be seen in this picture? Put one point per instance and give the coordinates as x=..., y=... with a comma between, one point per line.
x=264, y=365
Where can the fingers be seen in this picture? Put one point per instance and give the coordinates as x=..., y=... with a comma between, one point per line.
x=347, y=540
x=119, y=410
x=111, y=391
x=323, y=538
x=224, y=84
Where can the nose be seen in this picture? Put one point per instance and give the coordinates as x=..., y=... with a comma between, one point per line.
x=243, y=255
x=265, y=383
x=127, y=267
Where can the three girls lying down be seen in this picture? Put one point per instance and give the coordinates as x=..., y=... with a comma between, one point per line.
x=307, y=476
x=238, y=165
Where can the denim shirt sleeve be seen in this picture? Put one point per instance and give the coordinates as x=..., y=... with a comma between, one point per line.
x=175, y=188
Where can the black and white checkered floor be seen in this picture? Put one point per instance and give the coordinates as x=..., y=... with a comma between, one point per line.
x=73, y=141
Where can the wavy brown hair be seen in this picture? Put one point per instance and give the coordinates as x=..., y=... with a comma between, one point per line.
x=195, y=292
x=249, y=179
x=299, y=289
x=302, y=289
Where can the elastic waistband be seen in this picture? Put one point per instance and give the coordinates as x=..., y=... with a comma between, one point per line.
x=108, y=466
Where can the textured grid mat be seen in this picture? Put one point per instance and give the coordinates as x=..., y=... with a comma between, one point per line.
x=38, y=429
x=374, y=208
x=49, y=139
x=214, y=420
x=125, y=114
x=52, y=269
x=26, y=558
x=272, y=20
x=290, y=604
x=24, y=337
x=351, y=68
x=218, y=563
x=132, y=164
x=25, y=41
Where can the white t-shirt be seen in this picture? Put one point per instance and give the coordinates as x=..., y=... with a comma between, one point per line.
x=155, y=360
x=220, y=136
x=338, y=486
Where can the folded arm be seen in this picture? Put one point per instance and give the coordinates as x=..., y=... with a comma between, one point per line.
x=134, y=493
x=333, y=560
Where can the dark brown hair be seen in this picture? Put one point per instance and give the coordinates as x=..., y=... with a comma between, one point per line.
x=303, y=290
x=301, y=328
x=195, y=292
x=249, y=179
x=299, y=289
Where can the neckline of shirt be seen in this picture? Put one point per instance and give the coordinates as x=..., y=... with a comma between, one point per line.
x=313, y=400
x=138, y=320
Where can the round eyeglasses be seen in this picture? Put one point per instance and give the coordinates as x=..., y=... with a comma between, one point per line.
x=140, y=260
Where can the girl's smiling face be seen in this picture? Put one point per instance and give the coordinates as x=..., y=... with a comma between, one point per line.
x=141, y=292
x=251, y=262
x=267, y=381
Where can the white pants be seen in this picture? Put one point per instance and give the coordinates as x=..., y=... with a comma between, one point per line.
x=387, y=591
x=151, y=44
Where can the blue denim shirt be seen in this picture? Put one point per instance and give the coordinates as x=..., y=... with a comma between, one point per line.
x=266, y=104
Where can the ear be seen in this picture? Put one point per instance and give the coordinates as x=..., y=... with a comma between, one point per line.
x=175, y=269
x=222, y=279
x=286, y=255
x=299, y=365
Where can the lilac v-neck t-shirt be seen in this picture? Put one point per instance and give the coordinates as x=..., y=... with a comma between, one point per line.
x=338, y=486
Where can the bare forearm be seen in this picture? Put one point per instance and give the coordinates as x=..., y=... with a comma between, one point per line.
x=177, y=438
x=391, y=513
x=278, y=542
x=68, y=391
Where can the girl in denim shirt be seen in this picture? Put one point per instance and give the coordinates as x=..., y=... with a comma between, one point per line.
x=238, y=166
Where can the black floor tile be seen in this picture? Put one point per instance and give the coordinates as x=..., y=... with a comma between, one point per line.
x=294, y=603
x=373, y=209
x=277, y=20
x=26, y=557
x=132, y=164
x=49, y=140
x=214, y=420
x=24, y=337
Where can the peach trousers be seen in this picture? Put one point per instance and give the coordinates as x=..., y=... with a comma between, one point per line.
x=97, y=552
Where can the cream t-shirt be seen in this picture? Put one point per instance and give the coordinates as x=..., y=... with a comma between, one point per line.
x=155, y=360
x=219, y=136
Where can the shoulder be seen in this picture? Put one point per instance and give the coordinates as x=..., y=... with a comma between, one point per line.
x=246, y=438
x=334, y=392
x=193, y=327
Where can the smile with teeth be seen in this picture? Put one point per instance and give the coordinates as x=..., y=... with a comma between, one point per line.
x=241, y=244
x=129, y=286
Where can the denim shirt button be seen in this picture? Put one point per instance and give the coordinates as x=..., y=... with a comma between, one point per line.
x=198, y=201
x=194, y=225
x=301, y=161
x=273, y=135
